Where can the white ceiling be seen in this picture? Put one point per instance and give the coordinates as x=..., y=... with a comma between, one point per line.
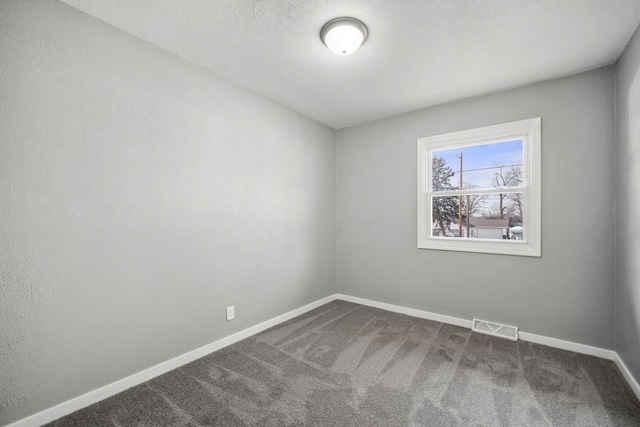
x=419, y=53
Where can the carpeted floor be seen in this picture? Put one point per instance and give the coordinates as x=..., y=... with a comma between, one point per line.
x=344, y=364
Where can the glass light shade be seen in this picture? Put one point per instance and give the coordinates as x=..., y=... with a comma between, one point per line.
x=343, y=36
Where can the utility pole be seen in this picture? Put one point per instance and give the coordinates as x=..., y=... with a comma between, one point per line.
x=501, y=184
x=468, y=197
x=460, y=199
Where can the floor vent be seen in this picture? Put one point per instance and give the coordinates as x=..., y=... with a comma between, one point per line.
x=497, y=329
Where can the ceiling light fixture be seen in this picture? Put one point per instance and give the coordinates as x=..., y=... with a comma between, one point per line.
x=343, y=36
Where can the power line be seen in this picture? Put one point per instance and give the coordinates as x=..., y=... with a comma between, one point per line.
x=492, y=167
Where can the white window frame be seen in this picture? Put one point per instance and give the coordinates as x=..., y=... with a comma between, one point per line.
x=529, y=131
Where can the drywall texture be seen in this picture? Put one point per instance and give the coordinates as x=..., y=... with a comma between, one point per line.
x=140, y=196
x=565, y=294
x=628, y=208
x=419, y=53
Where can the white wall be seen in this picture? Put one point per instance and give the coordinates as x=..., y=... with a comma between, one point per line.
x=628, y=208
x=140, y=196
x=566, y=294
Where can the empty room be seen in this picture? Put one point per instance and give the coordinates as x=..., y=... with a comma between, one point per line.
x=340, y=213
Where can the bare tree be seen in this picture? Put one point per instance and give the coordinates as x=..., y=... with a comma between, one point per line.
x=471, y=204
x=505, y=178
x=513, y=206
x=491, y=212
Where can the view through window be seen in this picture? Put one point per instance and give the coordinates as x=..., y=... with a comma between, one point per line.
x=479, y=190
x=479, y=171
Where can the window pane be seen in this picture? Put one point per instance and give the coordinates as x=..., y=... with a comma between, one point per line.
x=479, y=216
x=494, y=165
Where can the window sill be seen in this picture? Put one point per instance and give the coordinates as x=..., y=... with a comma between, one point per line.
x=487, y=246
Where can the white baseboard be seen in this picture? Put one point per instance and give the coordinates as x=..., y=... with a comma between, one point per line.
x=108, y=390
x=66, y=408
x=408, y=311
x=633, y=383
x=524, y=336
x=568, y=345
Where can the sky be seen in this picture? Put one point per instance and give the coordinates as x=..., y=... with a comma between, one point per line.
x=485, y=157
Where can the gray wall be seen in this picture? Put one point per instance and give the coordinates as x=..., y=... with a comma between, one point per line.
x=628, y=208
x=140, y=196
x=566, y=294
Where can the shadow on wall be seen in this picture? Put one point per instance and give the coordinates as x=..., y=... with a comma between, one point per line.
x=631, y=227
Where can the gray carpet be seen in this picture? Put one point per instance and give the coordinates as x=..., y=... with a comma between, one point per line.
x=345, y=364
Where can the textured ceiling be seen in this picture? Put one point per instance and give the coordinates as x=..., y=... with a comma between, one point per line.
x=419, y=53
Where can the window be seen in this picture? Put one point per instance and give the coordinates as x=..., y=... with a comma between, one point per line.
x=479, y=190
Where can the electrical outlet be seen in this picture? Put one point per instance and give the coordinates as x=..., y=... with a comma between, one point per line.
x=231, y=312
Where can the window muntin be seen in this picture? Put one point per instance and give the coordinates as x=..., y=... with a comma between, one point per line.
x=495, y=208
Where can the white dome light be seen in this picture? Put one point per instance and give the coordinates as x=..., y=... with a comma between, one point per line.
x=343, y=36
